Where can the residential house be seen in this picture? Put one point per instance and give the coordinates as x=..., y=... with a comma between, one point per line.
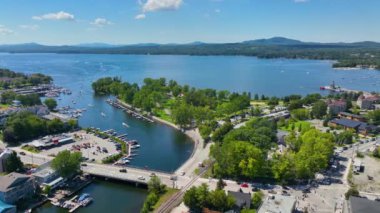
x=336, y=106
x=278, y=204
x=367, y=102
x=361, y=205
x=16, y=186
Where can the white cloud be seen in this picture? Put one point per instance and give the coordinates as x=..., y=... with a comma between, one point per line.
x=156, y=5
x=140, y=16
x=300, y=1
x=55, y=16
x=33, y=27
x=5, y=31
x=217, y=11
x=101, y=22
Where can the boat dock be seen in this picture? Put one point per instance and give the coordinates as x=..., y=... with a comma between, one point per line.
x=129, y=110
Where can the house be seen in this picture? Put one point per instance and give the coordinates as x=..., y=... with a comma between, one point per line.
x=4, y=154
x=242, y=200
x=278, y=204
x=16, y=186
x=7, y=208
x=336, y=106
x=351, y=116
x=360, y=205
x=367, y=102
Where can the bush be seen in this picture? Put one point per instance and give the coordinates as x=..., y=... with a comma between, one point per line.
x=351, y=192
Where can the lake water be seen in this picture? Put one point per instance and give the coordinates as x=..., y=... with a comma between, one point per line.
x=162, y=147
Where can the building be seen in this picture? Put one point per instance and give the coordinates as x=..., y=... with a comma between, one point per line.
x=16, y=103
x=242, y=200
x=16, y=186
x=361, y=205
x=278, y=204
x=6, y=208
x=351, y=116
x=367, y=102
x=354, y=125
x=336, y=106
x=4, y=154
x=47, y=176
x=50, y=141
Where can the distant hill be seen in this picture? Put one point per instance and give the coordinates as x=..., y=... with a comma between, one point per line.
x=362, y=54
x=274, y=41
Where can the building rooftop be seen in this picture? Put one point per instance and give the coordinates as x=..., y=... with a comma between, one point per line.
x=11, y=180
x=242, y=200
x=346, y=114
x=347, y=122
x=360, y=205
x=278, y=204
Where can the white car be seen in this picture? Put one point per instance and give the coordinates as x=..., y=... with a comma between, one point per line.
x=141, y=178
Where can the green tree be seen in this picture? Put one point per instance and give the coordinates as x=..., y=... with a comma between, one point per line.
x=345, y=137
x=155, y=186
x=150, y=201
x=50, y=103
x=13, y=163
x=67, y=163
x=319, y=109
x=351, y=192
x=257, y=199
x=218, y=200
x=374, y=117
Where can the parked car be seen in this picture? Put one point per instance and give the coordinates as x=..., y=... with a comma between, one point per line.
x=123, y=170
x=244, y=185
x=152, y=174
x=141, y=178
x=22, y=153
x=83, y=164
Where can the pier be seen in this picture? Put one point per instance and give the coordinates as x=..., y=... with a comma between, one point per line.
x=128, y=109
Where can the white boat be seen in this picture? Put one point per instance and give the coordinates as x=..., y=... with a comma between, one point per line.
x=124, y=124
x=103, y=114
x=135, y=146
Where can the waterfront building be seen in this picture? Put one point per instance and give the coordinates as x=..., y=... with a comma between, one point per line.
x=46, y=176
x=16, y=186
x=278, y=204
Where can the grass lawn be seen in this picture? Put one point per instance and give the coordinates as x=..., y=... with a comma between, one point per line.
x=163, y=198
x=30, y=149
x=163, y=115
x=303, y=124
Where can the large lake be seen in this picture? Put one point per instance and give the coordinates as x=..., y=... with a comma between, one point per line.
x=164, y=148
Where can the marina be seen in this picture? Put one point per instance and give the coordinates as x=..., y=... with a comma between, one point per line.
x=128, y=109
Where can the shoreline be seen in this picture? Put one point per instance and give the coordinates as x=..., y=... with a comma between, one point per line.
x=193, y=134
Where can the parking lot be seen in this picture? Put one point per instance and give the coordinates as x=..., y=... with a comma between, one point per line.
x=368, y=181
x=92, y=147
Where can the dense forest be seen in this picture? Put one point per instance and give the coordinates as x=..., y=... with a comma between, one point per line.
x=362, y=54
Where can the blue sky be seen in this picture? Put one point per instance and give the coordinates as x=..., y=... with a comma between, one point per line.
x=182, y=21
